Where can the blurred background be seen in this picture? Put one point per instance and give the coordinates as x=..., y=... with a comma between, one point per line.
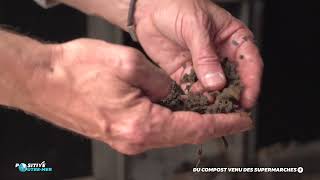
x=286, y=134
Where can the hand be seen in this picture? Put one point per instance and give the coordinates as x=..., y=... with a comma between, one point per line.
x=106, y=92
x=180, y=34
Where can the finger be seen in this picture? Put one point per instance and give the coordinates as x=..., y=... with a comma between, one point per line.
x=195, y=128
x=240, y=49
x=176, y=128
x=205, y=59
x=138, y=71
x=197, y=88
x=250, y=70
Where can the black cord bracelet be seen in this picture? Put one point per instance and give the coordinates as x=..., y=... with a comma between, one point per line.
x=131, y=25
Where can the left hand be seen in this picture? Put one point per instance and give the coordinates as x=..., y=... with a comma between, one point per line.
x=106, y=92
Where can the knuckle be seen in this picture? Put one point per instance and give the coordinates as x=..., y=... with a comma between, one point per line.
x=130, y=62
x=135, y=135
x=128, y=139
x=208, y=60
x=131, y=55
x=137, y=138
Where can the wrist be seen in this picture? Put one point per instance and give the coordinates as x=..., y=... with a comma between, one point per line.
x=24, y=62
x=40, y=72
x=41, y=68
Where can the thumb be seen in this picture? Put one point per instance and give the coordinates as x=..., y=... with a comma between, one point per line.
x=206, y=61
x=139, y=72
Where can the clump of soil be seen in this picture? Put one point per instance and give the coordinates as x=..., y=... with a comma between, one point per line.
x=225, y=101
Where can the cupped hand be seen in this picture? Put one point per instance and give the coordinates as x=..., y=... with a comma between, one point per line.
x=107, y=92
x=182, y=34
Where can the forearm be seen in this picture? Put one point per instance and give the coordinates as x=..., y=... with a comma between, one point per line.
x=114, y=11
x=20, y=59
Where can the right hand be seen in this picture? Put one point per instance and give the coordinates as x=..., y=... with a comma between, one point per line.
x=183, y=34
x=106, y=92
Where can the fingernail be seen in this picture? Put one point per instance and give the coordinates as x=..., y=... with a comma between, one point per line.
x=214, y=80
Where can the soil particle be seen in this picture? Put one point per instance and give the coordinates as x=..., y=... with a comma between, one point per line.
x=190, y=78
